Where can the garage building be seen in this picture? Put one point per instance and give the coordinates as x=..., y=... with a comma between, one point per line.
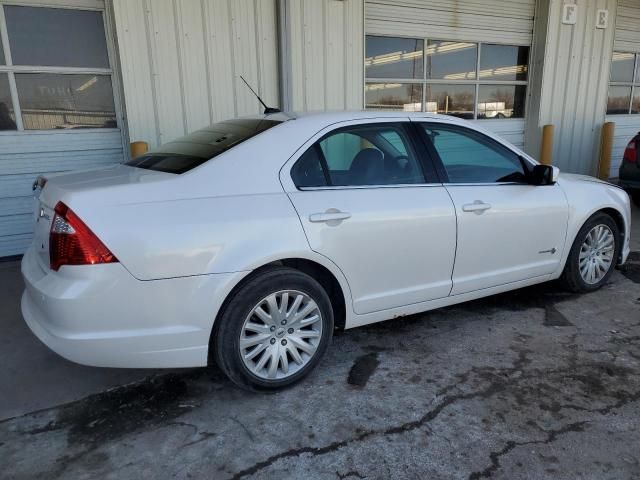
x=81, y=79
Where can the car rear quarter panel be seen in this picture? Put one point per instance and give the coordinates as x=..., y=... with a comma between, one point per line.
x=177, y=238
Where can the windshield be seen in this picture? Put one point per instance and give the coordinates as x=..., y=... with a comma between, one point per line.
x=183, y=154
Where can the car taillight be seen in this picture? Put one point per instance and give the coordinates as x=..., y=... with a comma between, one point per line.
x=631, y=152
x=71, y=242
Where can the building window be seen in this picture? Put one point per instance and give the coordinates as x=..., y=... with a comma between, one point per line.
x=54, y=70
x=464, y=79
x=624, y=84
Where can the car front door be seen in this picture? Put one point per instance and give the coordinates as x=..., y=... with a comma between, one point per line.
x=365, y=203
x=508, y=229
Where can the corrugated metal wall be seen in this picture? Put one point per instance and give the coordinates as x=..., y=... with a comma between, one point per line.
x=627, y=39
x=627, y=36
x=181, y=61
x=499, y=21
x=502, y=21
x=324, y=54
x=26, y=155
x=571, y=89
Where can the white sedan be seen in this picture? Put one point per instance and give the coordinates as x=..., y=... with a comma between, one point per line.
x=247, y=243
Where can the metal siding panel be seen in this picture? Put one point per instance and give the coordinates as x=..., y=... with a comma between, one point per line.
x=62, y=161
x=550, y=63
x=26, y=155
x=166, y=70
x=15, y=206
x=571, y=84
x=584, y=128
x=516, y=8
x=134, y=52
x=354, y=58
x=16, y=224
x=595, y=109
x=576, y=68
x=627, y=34
x=194, y=69
x=495, y=21
x=181, y=62
x=14, y=244
x=326, y=54
x=244, y=54
x=334, y=55
x=314, y=74
x=627, y=126
x=267, y=54
x=298, y=54
x=512, y=130
x=221, y=73
x=44, y=141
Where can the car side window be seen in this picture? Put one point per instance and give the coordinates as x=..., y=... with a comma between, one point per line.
x=374, y=154
x=471, y=157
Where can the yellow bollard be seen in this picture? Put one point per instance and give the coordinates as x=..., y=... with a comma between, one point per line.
x=546, y=152
x=138, y=148
x=606, y=147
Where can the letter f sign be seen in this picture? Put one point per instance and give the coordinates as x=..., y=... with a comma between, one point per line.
x=569, y=14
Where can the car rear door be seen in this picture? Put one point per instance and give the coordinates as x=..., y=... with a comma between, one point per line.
x=508, y=230
x=365, y=203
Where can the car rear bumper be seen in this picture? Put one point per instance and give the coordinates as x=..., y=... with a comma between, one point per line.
x=100, y=315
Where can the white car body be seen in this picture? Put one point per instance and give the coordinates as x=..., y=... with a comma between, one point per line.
x=185, y=241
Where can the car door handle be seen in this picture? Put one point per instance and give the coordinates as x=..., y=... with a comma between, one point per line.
x=330, y=216
x=478, y=207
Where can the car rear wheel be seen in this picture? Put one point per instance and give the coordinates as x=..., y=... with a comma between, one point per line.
x=274, y=330
x=593, y=255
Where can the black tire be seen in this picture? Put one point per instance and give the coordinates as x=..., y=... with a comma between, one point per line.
x=228, y=328
x=635, y=196
x=571, y=277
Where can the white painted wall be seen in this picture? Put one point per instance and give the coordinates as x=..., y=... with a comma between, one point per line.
x=181, y=61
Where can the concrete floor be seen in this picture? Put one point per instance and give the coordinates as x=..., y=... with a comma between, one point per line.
x=534, y=383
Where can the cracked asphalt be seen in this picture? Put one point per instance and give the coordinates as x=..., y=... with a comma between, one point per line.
x=535, y=383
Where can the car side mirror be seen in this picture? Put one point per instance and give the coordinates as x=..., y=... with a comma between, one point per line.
x=543, y=175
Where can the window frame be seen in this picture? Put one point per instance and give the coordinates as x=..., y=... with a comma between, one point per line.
x=423, y=157
x=439, y=164
x=112, y=72
x=634, y=83
x=476, y=82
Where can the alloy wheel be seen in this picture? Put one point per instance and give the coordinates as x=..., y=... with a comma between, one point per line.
x=596, y=254
x=281, y=334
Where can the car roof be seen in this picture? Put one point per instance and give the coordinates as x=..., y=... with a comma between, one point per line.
x=321, y=119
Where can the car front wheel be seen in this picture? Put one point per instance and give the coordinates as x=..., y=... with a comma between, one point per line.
x=593, y=255
x=274, y=330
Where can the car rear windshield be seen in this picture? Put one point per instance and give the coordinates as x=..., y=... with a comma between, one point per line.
x=188, y=152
